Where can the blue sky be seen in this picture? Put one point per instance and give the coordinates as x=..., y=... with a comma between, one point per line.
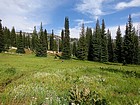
x=25, y=14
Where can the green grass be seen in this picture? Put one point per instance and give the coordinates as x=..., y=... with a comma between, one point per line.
x=29, y=80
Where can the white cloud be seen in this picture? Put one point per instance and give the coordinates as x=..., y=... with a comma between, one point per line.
x=25, y=14
x=123, y=5
x=134, y=15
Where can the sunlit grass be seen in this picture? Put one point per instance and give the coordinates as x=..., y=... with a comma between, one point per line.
x=26, y=79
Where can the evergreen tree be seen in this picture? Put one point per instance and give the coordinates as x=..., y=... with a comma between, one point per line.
x=110, y=47
x=20, y=46
x=66, y=53
x=46, y=38
x=135, y=46
x=62, y=40
x=96, y=43
x=24, y=40
x=41, y=50
x=82, y=46
x=28, y=41
x=52, y=41
x=118, y=48
x=34, y=38
x=7, y=38
x=1, y=38
x=13, y=37
x=128, y=44
x=104, y=51
x=74, y=48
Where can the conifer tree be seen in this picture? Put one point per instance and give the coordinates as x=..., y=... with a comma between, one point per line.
x=66, y=52
x=74, y=48
x=96, y=43
x=20, y=46
x=52, y=41
x=34, y=38
x=46, y=38
x=82, y=46
x=128, y=44
x=13, y=37
x=135, y=46
x=62, y=40
x=118, y=49
x=41, y=50
x=104, y=51
x=24, y=40
x=1, y=38
x=110, y=47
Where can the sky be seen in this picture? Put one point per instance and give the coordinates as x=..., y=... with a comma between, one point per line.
x=25, y=14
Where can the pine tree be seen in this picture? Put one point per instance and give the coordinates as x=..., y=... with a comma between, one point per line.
x=34, y=38
x=46, y=39
x=20, y=46
x=1, y=38
x=82, y=46
x=74, y=48
x=135, y=46
x=128, y=44
x=104, y=51
x=52, y=41
x=62, y=40
x=28, y=41
x=66, y=52
x=24, y=40
x=118, y=48
x=110, y=47
x=13, y=37
x=41, y=50
x=96, y=43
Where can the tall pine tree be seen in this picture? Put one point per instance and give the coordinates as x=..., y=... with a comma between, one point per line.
x=118, y=47
x=66, y=52
x=104, y=51
x=1, y=38
x=110, y=47
x=82, y=46
x=20, y=46
x=13, y=37
x=52, y=41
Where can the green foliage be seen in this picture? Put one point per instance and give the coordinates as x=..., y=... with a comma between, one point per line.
x=1, y=38
x=52, y=41
x=85, y=97
x=82, y=45
x=13, y=37
x=66, y=52
x=118, y=47
x=104, y=50
x=20, y=46
x=110, y=47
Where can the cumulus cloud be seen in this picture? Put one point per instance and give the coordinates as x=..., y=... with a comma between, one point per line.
x=25, y=14
x=123, y=5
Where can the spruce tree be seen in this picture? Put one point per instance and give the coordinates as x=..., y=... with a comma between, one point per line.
x=20, y=46
x=41, y=50
x=46, y=38
x=104, y=51
x=66, y=52
x=62, y=40
x=13, y=37
x=74, y=48
x=118, y=48
x=1, y=38
x=82, y=46
x=110, y=47
x=128, y=44
x=52, y=41
x=135, y=46
x=96, y=43
x=34, y=38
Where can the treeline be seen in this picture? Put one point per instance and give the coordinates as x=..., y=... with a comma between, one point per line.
x=99, y=46
x=38, y=42
x=93, y=45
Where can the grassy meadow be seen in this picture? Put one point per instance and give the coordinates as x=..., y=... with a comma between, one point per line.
x=30, y=80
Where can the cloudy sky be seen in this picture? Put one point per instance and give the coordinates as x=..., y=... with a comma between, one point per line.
x=25, y=14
